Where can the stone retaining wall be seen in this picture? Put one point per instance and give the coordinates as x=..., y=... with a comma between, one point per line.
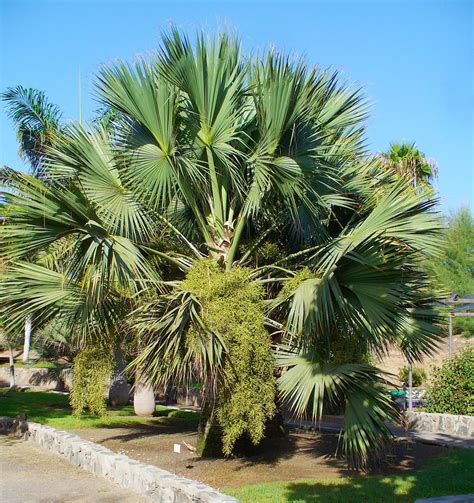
x=462, y=426
x=38, y=378
x=156, y=484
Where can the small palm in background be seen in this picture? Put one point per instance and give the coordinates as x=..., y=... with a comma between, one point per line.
x=407, y=161
x=38, y=122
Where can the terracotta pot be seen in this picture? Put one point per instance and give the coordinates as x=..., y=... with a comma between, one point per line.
x=144, y=399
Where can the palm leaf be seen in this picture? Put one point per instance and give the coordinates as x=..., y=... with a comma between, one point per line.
x=310, y=386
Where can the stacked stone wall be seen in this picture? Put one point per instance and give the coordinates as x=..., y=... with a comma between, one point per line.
x=427, y=422
x=150, y=481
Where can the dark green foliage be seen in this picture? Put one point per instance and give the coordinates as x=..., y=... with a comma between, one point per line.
x=418, y=376
x=90, y=380
x=454, y=270
x=464, y=327
x=232, y=306
x=452, y=389
x=349, y=348
x=268, y=252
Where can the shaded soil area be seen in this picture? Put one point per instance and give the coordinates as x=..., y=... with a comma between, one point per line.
x=294, y=457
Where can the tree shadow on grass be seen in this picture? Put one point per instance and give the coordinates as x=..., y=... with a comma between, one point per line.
x=53, y=409
x=37, y=406
x=360, y=489
x=450, y=474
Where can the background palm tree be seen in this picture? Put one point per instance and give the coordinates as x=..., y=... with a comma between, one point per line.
x=407, y=161
x=212, y=157
x=38, y=122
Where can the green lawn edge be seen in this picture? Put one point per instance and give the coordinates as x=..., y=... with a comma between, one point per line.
x=52, y=409
x=450, y=474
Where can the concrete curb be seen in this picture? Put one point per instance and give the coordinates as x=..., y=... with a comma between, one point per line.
x=147, y=480
x=464, y=498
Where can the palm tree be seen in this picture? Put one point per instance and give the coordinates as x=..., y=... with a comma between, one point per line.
x=408, y=162
x=38, y=122
x=213, y=157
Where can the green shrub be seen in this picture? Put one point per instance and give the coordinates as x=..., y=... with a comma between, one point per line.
x=91, y=375
x=418, y=376
x=464, y=327
x=452, y=389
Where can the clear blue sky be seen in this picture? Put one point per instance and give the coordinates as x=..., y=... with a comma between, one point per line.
x=415, y=59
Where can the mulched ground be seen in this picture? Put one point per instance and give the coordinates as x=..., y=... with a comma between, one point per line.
x=295, y=457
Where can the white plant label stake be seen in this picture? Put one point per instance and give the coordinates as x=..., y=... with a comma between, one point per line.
x=176, y=450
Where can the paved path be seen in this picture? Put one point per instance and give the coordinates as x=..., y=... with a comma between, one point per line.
x=30, y=474
x=426, y=438
x=464, y=498
x=435, y=438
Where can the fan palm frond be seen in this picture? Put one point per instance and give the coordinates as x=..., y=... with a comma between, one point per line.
x=311, y=386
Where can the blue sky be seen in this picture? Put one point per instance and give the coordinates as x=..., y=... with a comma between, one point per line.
x=414, y=60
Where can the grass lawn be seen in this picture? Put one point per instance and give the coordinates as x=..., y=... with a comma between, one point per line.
x=449, y=474
x=53, y=409
x=40, y=364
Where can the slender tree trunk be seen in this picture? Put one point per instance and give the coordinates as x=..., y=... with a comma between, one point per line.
x=27, y=342
x=119, y=388
x=12, y=367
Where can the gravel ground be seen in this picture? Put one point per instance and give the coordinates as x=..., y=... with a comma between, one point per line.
x=29, y=474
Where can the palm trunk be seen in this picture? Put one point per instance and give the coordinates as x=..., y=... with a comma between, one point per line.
x=209, y=443
x=119, y=388
x=143, y=399
x=12, y=367
x=27, y=342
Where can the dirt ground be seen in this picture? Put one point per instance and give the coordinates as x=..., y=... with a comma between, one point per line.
x=30, y=474
x=295, y=457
